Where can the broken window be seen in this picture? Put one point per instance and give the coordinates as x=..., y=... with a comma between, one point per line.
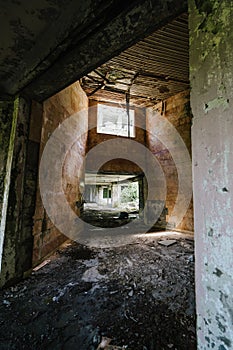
x=115, y=121
x=107, y=193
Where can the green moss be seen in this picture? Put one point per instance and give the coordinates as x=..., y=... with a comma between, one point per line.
x=211, y=30
x=204, y=6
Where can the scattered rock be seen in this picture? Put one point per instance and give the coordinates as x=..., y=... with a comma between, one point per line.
x=6, y=302
x=92, y=275
x=167, y=242
x=130, y=293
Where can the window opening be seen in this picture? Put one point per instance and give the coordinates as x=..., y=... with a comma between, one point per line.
x=115, y=121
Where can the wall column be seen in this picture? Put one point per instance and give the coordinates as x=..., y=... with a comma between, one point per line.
x=8, y=113
x=19, y=165
x=211, y=75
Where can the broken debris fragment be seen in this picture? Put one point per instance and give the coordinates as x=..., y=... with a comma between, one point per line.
x=105, y=345
x=167, y=242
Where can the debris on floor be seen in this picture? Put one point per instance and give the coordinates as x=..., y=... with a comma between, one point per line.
x=167, y=242
x=140, y=296
x=105, y=345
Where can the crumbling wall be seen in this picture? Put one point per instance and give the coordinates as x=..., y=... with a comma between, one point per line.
x=55, y=110
x=211, y=74
x=176, y=110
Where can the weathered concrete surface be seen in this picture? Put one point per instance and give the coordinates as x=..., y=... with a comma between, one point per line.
x=118, y=27
x=211, y=74
x=55, y=110
x=8, y=113
x=25, y=53
x=176, y=110
x=19, y=206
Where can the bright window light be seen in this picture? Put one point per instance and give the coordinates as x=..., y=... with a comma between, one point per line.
x=115, y=121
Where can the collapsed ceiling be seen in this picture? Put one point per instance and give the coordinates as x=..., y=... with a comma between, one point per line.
x=150, y=71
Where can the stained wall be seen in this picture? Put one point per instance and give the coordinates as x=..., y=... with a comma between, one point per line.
x=211, y=74
x=20, y=179
x=68, y=102
x=168, y=136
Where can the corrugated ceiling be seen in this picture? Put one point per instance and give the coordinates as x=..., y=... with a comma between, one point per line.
x=150, y=71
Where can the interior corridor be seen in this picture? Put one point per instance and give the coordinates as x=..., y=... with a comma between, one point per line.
x=116, y=174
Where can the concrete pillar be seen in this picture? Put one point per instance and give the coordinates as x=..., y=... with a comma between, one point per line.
x=19, y=166
x=141, y=195
x=211, y=75
x=8, y=119
x=116, y=192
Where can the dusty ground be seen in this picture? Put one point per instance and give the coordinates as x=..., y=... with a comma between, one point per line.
x=140, y=295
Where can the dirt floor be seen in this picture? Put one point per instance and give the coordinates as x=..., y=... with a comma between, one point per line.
x=141, y=296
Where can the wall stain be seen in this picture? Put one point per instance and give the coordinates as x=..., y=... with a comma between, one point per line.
x=224, y=189
x=217, y=272
x=210, y=232
x=226, y=341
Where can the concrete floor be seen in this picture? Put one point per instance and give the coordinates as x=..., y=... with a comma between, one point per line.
x=140, y=295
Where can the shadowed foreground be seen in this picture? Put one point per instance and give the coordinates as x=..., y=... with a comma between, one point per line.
x=140, y=295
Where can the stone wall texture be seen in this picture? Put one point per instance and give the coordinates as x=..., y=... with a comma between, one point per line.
x=55, y=110
x=176, y=110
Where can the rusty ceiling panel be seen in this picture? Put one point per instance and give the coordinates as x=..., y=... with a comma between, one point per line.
x=151, y=70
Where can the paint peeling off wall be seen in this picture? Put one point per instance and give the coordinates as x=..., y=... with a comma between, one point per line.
x=211, y=75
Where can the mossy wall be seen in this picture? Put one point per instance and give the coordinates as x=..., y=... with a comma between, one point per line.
x=20, y=161
x=8, y=117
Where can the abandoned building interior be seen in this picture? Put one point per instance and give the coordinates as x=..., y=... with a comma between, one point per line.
x=116, y=174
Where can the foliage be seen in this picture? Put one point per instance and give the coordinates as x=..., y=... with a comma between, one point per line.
x=129, y=193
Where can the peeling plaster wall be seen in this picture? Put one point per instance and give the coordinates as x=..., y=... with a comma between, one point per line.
x=55, y=110
x=211, y=74
x=176, y=110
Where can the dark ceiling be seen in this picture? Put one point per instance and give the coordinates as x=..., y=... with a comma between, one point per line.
x=45, y=45
x=149, y=71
